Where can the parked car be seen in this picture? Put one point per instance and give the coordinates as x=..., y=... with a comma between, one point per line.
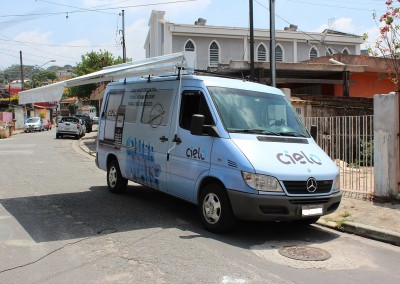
x=33, y=124
x=47, y=124
x=70, y=126
x=87, y=120
x=95, y=120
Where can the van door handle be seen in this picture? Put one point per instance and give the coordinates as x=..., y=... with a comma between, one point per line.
x=163, y=138
x=177, y=140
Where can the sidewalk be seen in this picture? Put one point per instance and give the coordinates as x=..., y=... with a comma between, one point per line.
x=355, y=216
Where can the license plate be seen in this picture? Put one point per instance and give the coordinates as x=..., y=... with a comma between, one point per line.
x=311, y=210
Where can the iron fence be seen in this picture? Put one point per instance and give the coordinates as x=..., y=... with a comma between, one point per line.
x=349, y=141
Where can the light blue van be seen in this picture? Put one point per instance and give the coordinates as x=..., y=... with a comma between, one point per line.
x=237, y=149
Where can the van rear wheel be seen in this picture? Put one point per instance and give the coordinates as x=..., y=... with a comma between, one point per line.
x=215, y=209
x=115, y=181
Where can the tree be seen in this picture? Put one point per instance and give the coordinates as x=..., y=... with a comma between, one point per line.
x=39, y=78
x=91, y=62
x=387, y=44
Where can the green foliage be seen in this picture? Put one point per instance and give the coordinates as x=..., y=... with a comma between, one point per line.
x=367, y=153
x=72, y=108
x=41, y=115
x=42, y=77
x=91, y=62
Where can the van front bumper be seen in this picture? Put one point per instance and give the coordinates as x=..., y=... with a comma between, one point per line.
x=257, y=207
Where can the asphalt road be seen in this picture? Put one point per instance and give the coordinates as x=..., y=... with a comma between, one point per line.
x=59, y=224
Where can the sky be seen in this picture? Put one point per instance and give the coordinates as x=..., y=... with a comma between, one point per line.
x=64, y=30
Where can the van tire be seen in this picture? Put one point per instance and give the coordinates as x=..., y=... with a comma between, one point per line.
x=215, y=209
x=115, y=181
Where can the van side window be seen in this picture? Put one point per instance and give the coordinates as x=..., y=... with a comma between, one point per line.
x=193, y=102
x=156, y=107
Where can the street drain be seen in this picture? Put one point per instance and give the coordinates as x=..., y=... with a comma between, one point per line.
x=304, y=253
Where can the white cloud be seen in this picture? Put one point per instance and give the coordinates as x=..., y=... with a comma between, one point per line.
x=342, y=24
x=135, y=36
x=34, y=36
x=373, y=34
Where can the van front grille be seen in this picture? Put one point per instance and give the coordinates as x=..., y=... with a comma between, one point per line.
x=300, y=187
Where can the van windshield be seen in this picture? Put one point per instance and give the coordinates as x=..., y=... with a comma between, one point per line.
x=255, y=112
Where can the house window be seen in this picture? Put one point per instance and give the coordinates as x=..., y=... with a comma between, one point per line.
x=189, y=46
x=278, y=53
x=261, y=53
x=329, y=51
x=313, y=53
x=214, y=54
x=345, y=51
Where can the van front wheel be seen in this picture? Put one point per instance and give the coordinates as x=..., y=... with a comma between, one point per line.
x=215, y=209
x=115, y=181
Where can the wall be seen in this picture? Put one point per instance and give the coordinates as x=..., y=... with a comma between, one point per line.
x=230, y=48
x=386, y=159
x=367, y=84
x=303, y=49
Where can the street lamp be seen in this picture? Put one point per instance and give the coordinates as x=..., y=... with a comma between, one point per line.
x=53, y=60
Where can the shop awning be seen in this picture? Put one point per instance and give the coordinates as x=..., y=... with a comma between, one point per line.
x=150, y=66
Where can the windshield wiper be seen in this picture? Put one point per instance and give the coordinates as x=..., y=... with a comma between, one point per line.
x=256, y=131
x=292, y=134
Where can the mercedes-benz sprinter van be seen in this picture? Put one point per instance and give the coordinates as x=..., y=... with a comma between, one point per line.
x=235, y=148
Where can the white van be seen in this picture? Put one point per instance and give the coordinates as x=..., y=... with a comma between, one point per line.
x=236, y=149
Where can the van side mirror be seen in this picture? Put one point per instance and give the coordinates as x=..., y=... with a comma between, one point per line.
x=314, y=132
x=196, y=124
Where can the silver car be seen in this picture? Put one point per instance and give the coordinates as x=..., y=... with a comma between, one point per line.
x=33, y=124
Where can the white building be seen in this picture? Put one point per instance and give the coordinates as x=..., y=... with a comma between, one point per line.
x=213, y=45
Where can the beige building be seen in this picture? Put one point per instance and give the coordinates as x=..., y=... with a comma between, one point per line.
x=213, y=45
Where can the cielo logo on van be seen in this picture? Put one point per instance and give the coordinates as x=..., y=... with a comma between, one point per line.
x=196, y=153
x=294, y=158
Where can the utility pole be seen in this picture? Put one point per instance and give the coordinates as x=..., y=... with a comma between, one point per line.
x=251, y=39
x=22, y=70
x=123, y=38
x=272, y=59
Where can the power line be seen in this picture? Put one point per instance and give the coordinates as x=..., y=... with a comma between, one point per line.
x=82, y=10
x=336, y=6
x=305, y=33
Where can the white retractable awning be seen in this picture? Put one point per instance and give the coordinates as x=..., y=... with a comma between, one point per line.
x=150, y=66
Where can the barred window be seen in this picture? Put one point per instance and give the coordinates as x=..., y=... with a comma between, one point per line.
x=214, y=54
x=313, y=53
x=189, y=46
x=261, y=53
x=278, y=53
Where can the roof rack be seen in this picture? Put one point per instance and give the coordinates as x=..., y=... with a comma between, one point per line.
x=161, y=65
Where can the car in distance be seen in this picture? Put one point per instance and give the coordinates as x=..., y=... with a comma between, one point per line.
x=47, y=124
x=33, y=124
x=95, y=120
x=70, y=126
x=87, y=120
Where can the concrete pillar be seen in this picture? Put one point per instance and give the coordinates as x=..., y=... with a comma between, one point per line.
x=287, y=92
x=386, y=156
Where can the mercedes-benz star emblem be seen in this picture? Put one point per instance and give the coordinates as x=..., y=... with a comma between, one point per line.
x=311, y=185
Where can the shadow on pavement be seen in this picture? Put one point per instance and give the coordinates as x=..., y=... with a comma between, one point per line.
x=84, y=214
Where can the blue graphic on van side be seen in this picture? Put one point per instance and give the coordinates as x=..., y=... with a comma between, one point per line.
x=140, y=164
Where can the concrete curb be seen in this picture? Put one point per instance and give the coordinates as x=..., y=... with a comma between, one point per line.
x=365, y=231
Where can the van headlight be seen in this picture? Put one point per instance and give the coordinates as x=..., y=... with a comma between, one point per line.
x=336, y=183
x=261, y=182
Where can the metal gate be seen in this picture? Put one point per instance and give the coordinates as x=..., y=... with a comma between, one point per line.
x=349, y=141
